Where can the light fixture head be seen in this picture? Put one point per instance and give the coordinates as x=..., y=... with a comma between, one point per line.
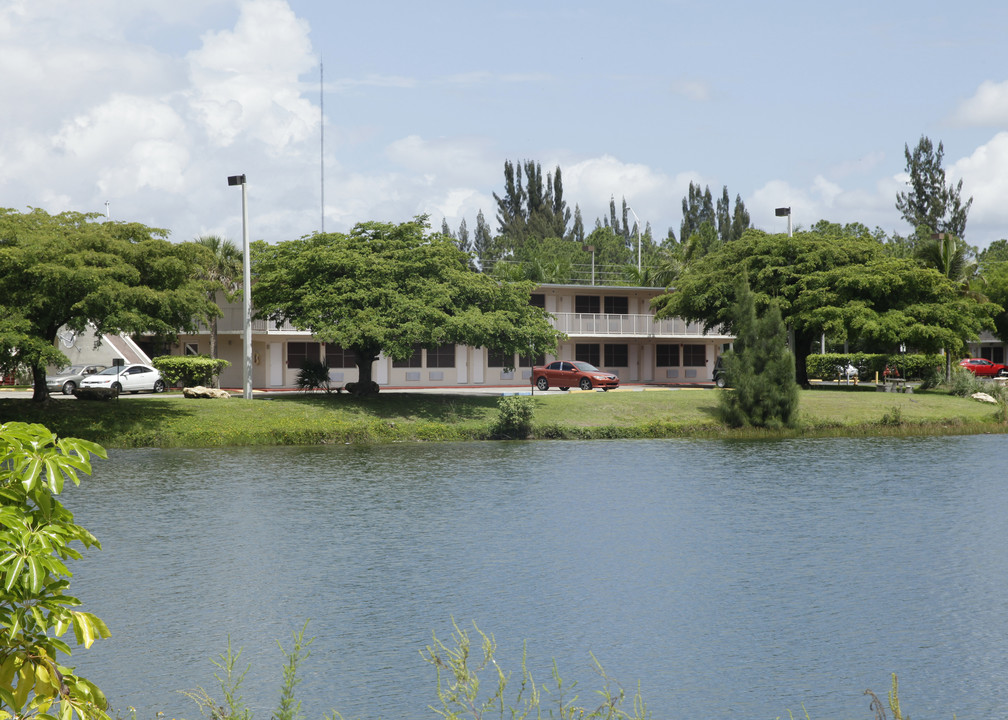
x=236, y=179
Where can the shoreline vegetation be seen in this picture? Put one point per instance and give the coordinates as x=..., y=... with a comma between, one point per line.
x=171, y=421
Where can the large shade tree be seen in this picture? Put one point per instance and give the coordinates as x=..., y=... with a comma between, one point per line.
x=387, y=288
x=73, y=269
x=842, y=285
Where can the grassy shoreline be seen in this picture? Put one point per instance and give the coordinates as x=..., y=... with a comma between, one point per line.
x=295, y=419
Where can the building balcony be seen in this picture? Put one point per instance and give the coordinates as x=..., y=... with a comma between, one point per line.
x=630, y=326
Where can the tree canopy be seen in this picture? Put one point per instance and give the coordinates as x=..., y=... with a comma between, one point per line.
x=843, y=286
x=72, y=269
x=387, y=288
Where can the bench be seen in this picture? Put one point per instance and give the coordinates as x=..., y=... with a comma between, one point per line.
x=894, y=384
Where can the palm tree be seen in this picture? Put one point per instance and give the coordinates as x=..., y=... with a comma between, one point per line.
x=221, y=272
x=953, y=258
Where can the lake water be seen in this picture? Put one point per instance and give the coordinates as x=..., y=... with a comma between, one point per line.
x=732, y=579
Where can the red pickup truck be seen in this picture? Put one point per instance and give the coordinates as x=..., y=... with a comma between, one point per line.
x=565, y=375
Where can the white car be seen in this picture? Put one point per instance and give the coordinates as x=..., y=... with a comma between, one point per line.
x=128, y=378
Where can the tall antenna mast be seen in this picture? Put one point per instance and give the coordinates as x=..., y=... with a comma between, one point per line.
x=322, y=140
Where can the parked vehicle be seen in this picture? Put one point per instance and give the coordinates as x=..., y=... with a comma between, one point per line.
x=984, y=368
x=565, y=375
x=129, y=378
x=720, y=374
x=67, y=379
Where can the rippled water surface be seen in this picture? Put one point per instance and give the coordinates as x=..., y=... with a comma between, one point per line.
x=732, y=579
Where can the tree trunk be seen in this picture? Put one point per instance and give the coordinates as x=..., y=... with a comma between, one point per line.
x=365, y=359
x=213, y=348
x=802, y=343
x=40, y=392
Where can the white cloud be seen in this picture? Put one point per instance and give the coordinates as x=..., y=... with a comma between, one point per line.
x=987, y=107
x=985, y=178
x=453, y=160
x=245, y=80
x=654, y=196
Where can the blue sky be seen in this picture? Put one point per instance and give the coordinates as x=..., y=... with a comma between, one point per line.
x=150, y=106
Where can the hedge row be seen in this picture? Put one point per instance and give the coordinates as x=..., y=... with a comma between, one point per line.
x=913, y=367
x=189, y=370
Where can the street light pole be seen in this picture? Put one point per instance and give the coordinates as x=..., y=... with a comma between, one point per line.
x=781, y=212
x=246, y=288
x=637, y=219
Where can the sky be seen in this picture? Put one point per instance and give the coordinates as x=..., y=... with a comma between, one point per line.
x=143, y=109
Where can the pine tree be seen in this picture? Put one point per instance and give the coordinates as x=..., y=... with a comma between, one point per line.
x=483, y=243
x=462, y=237
x=561, y=213
x=929, y=206
x=740, y=219
x=577, y=233
x=760, y=368
x=511, y=207
x=724, y=217
x=697, y=208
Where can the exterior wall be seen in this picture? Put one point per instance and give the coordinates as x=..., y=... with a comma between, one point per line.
x=638, y=347
x=989, y=347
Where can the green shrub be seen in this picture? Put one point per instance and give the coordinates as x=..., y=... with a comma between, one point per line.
x=313, y=376
x=514, y=417
x=964, y=383
x=914, y=366
x=189, y=370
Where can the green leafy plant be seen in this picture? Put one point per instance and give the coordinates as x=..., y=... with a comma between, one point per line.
x=514, y=417
x=964, y=383
x=37, y=536
x=189, y=370
x=314, y=376
x=893, y=417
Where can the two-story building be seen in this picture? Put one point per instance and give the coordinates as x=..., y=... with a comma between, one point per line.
x=612, y=327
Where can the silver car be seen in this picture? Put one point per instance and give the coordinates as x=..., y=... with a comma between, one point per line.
x=69, y=378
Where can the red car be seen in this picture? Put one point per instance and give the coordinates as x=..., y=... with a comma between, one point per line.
x=565, y=375
x=984, y=368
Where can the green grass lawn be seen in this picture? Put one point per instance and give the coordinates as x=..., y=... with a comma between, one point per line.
x=173, y=421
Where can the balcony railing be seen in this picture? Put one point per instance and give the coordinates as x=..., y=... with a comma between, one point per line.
x=575, y=324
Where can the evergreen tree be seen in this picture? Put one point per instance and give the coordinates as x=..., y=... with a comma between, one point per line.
x=929, y=204
x=561, y=213
x=740, y=219
x=724, y=216
x=760, y=367
x=577, y=233
x=462, y=238
x=445, y=230
x=511, y=207
x=532, y=209
x=697, y=208
x=483, y=243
